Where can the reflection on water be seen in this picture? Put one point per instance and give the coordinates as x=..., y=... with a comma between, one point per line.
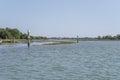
x=82, y=61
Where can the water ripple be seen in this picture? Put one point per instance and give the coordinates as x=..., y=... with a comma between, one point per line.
x=90, y=60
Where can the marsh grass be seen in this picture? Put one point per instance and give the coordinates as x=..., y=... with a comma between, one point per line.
x=59, y=43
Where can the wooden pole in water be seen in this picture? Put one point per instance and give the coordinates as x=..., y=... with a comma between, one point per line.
x=14, y=40
x=28, y=38
x=0, y=41
x=77, y=39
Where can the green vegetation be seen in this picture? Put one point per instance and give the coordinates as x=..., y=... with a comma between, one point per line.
x=59, y=43
x=99, y=38
x=9, y=35
x=109, y=37
x=39, y=37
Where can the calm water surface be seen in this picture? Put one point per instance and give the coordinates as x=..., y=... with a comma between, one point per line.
x=90, y=60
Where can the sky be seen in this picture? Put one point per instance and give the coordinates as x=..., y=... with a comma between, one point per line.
x=62, y=18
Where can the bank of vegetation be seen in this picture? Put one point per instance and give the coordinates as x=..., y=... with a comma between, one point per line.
x=60, y=42
x=109, y=37
x=8, y=35
x=99, y=38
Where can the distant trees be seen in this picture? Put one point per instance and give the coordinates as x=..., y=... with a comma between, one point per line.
x=23, y=36
x=109, y=37
x=118, y=36
x=38, y=37
x=8, y=33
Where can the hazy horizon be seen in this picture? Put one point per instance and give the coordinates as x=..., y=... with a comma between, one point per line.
x=62, y=18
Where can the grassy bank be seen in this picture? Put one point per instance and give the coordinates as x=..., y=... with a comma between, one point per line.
x=9, y=41
x=59, y=43
x=13, y=41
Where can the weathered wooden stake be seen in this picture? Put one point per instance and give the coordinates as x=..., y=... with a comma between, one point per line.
x=28, y=38
x=14, y=40
x=77, y=39
x=0, y=41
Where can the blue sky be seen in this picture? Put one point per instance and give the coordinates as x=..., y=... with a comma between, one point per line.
x=62, y=18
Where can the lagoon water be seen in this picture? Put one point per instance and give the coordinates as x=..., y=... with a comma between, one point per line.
x=87, y=60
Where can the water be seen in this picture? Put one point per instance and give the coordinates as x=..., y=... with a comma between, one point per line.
x=87, y=60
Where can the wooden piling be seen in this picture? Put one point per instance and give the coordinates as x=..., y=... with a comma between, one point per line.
x=0, y=41
x=28, y=38
x=77, y=39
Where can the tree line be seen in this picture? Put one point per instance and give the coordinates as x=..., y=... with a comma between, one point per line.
x=109, y=37
x=9, y=33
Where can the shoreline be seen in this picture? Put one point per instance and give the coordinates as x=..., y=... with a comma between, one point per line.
x=54, y=41
x=60, y=43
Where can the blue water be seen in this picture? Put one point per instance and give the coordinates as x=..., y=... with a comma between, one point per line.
x=87, y=60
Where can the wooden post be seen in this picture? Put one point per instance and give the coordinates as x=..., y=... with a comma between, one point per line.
x=0, y=41
x=14, y=40
x=28, y=38
x=77, y=39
